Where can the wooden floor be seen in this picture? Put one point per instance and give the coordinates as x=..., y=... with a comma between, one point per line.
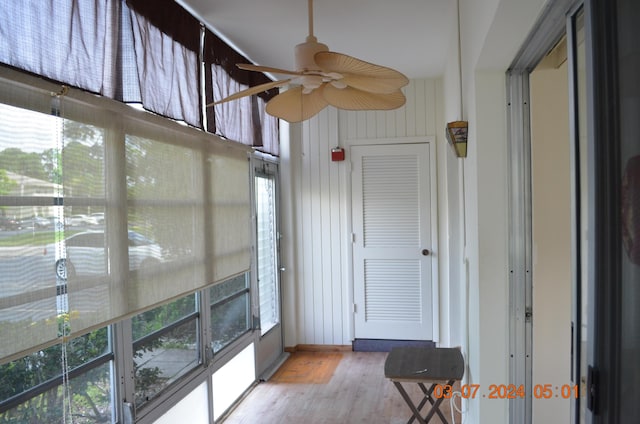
x=357, y=393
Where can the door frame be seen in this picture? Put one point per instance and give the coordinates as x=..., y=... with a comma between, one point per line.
x=347, y=197
x=548, y=30
x=272, y=354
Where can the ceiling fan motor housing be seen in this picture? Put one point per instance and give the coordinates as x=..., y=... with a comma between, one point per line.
x=304, y=53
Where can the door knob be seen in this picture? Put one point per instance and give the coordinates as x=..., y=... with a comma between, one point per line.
x=425, y=252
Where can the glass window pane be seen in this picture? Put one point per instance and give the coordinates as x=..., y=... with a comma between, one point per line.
x=91, y=401
x=230, y=311
x=162, y=316
x=91, y=392
x=267, y=251
x=162, y=355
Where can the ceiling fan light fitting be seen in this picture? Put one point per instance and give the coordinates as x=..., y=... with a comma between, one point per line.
x=305, y=52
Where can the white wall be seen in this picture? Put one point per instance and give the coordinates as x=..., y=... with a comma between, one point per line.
x=487, y=241
x=492, y=33
x=316, y=287
x=454, y=313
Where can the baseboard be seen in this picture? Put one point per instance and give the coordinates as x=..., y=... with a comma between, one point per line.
x=378, y=345
x=318, y=348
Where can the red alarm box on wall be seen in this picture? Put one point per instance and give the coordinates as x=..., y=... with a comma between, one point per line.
x=337, y=154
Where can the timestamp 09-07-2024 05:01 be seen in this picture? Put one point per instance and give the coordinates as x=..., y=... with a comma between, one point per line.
x=507, y=391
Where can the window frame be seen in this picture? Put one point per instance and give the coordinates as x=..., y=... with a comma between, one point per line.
x=121, y=337
x=194, y=316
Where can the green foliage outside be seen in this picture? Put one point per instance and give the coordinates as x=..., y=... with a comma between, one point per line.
x=157, y=318
x=228, y=319
x=90, y=392
x=150, y=379
x=7, y=185
x=77, y=165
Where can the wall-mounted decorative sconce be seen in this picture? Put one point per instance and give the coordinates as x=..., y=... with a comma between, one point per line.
x=457, y=132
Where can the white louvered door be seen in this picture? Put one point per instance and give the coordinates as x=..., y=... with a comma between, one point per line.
x=392, y=251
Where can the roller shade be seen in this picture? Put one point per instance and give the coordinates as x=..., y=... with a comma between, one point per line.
x=139, y=211
x=230, y=212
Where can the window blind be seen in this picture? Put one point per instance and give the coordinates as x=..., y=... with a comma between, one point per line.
x=230, y=212
x=27, y=284
x=143, y=211
x=51, y=169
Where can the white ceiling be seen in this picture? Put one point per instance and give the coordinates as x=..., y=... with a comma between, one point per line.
x=411, y=36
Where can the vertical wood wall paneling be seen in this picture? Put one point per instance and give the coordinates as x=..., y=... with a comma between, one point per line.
x=324, y=253
x=306, y=234
x=410, y=110
x=417, y=118
x=381, y=122
x=401, y=113
x=334, y=249
x=430, y=114
x=390, y=124
x=315, y=196
x=322, y=273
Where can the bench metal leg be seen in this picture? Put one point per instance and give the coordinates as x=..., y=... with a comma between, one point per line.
x=407, y=399
x=435, y=404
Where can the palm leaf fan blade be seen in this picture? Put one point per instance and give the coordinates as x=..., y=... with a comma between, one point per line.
x=368, y=72
x=252, y=90
x=371, y=84
x=350, y=98
x=269, y=69
x=295, y=106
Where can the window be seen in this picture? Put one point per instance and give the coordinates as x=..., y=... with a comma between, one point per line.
x=229, y=311
x=105, y=213
x=32, y=390
x=165, y=346
x=267, y=251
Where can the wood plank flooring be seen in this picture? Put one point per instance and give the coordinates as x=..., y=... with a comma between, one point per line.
x=357, y=393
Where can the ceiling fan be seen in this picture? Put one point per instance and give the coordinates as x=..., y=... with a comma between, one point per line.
x=325, y=78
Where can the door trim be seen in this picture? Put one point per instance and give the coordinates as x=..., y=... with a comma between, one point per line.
x=547, y=31
x=347, y=219
x=273, y=340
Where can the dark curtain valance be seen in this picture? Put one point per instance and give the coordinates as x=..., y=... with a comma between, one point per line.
x=143, y=51
x=71, y=41
x=166, y=42
x=245, y=119
x=217, y=52
x=170, y=18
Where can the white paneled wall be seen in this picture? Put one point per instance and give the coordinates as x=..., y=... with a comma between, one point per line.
x=319, y=280
x=416, y=118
